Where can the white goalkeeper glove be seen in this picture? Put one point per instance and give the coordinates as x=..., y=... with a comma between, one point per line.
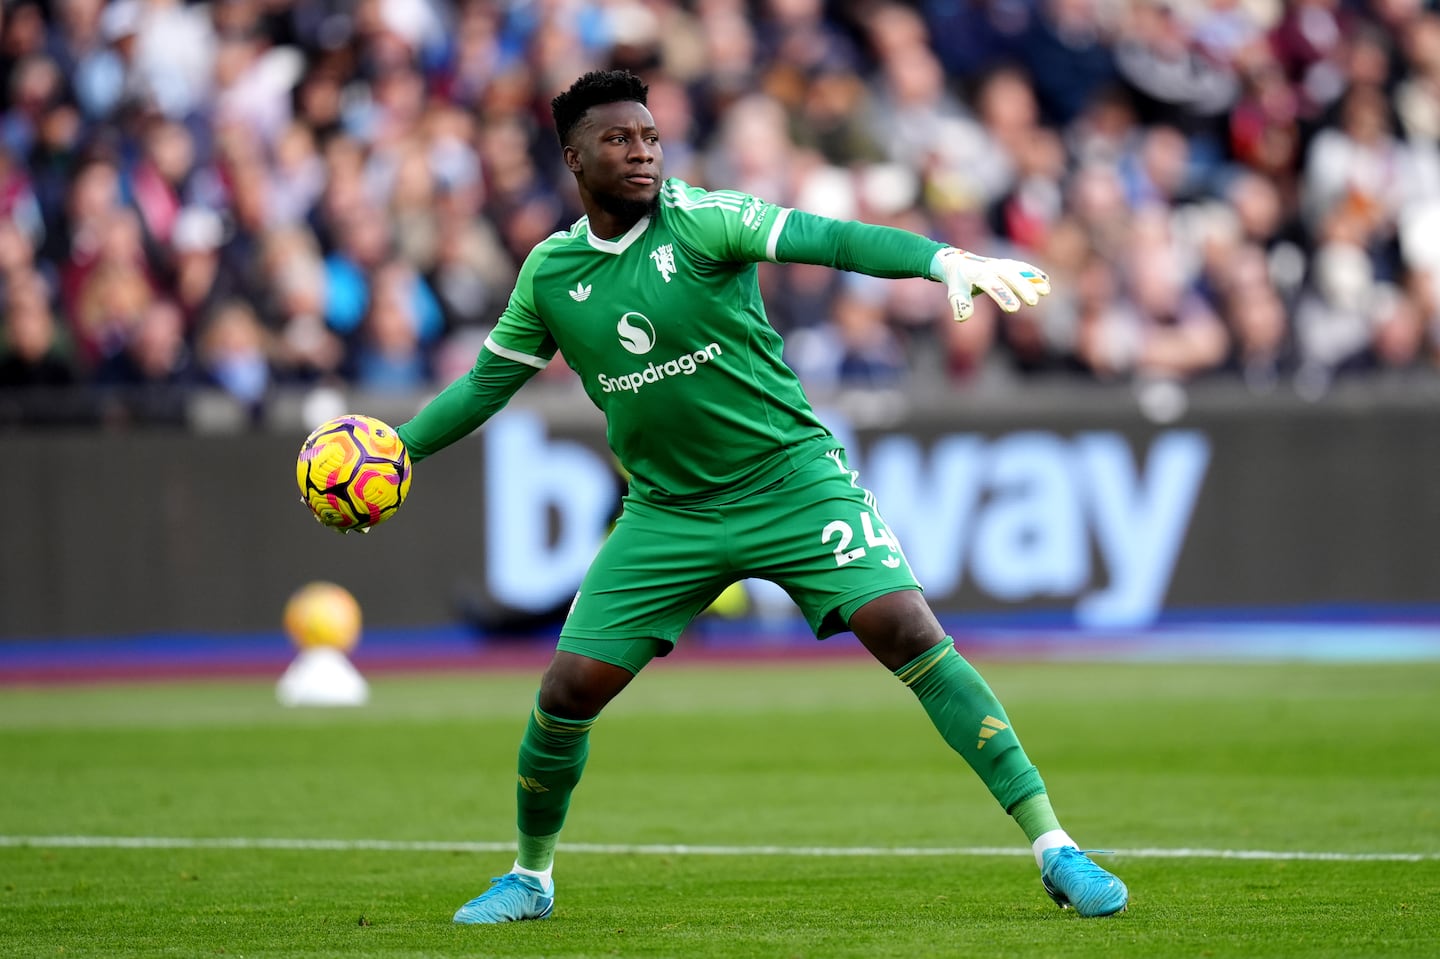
x=1008, y=282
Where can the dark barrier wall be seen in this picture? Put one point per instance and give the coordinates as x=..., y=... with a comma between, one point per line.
x=1086, y=509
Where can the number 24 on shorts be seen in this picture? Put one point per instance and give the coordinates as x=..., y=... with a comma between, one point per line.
x=846, y=533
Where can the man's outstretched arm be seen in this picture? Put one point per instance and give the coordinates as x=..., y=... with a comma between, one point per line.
x=465, y=404
x=894, y=253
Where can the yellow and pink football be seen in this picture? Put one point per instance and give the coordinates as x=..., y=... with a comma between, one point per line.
x=353, y=472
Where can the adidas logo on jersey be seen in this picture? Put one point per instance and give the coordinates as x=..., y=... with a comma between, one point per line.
x=581, y=293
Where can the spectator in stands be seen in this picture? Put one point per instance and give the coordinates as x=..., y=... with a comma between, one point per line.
x=1335, y=313
x=33, y=353
x=972, y=36
x=798, y=33
x=1100, y=327
x=1361, y=171
x=92, y=201
x=49, y=170
x=1007, y=108
x=307, y=350
x=477, y=56
x=1157, y=170
x=1104, y=131
x=1264, y=218
x=1067, y=48
x=155, y=183
x=414, y=210
x=1417, y=92
x=150, y=379
x=297, y=178
x=20, y=210
x=242, y=191
x=731, y=65
x=201, y=278
x=318, y=99
x=1035, y=201
x=394, y=113
x=1180, y=334
x=235, y=355
x=365, y=248
x=390, y=356
x=1095, y=197
x=1263, y=131
x=36, y=85
x=472, y=274
x=110, y=290
x=519, y=200
x=918, y=117
x=79, y=43
x=1309, y=42
x=1223, y=29
x=22, y=34
x=1397, y=339
x=1169, y=76
x=1256, y=316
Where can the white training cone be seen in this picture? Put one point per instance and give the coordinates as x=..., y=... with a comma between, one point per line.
x=323, y=621
x=322, y=676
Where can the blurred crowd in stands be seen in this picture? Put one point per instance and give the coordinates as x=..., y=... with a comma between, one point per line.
x=254, y=194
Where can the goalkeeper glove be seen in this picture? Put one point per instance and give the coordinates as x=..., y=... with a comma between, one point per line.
x=330, y=519
x=1007, y=282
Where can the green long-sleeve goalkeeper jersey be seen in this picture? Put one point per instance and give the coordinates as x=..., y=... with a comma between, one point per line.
x=667, y=331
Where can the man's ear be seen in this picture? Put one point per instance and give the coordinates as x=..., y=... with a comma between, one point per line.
x=572, y=159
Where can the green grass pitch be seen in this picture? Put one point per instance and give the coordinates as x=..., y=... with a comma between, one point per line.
x=1257, y=811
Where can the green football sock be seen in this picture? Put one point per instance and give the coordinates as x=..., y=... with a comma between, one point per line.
x=970, y=718
x=1035, y=816
x=552, y=757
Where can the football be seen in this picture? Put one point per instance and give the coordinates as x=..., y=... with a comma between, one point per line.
x=353, y=472
x=322, y=614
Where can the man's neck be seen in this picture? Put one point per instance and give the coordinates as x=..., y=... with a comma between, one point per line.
x=608, y=227
x=610, y=221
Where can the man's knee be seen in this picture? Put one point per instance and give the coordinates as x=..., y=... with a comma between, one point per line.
x=897, y=627
x=578, y=687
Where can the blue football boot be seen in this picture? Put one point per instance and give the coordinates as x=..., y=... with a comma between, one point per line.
x=510, y=898
x=1074, y=882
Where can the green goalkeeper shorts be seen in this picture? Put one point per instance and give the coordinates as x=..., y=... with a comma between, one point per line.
x=816, y=533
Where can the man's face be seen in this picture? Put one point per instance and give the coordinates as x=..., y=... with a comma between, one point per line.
x=615, y=152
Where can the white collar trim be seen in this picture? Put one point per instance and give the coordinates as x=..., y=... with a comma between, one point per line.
x=619, y=246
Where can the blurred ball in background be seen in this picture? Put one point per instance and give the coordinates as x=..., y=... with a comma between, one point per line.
x=323, y=615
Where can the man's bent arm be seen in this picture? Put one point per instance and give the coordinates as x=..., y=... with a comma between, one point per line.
x=464, y=405
x=884, y=251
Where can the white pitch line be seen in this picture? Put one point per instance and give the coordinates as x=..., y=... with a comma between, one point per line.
x=390, y=845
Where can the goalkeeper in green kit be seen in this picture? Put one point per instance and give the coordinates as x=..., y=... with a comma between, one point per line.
x=652, y=298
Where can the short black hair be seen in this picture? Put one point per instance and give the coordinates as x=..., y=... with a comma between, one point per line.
x=591, y=90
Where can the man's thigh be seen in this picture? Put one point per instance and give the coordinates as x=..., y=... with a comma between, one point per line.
x=656, y=571
x=819, y=534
